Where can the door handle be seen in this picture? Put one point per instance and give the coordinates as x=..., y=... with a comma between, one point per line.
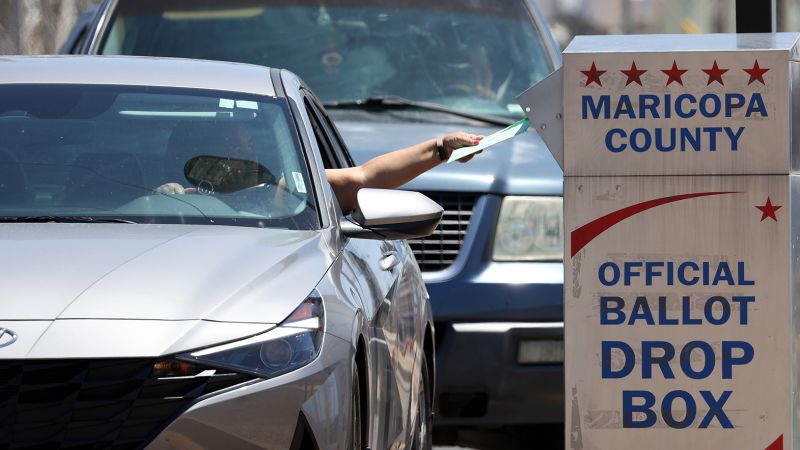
x=389, y=261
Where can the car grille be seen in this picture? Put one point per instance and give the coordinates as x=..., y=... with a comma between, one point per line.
x=439, y=250
x=115, y=404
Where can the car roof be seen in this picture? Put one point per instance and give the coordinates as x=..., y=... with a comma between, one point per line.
x=137, y=71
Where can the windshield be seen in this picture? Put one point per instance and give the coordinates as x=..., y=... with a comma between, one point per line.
x=474, y=56
x=151, y=155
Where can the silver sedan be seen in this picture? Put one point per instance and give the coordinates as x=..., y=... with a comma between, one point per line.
x=176, y=272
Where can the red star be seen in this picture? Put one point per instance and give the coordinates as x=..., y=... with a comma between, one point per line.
x=674, y=74
x=715, y=74
x=768, y=210
x=633, y=74
x=593, y=75
x=756, y=73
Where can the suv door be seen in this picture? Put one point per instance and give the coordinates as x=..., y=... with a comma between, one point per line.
x=80, y=33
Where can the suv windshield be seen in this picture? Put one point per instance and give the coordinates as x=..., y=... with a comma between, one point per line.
x=473, y=56
x=150, y=155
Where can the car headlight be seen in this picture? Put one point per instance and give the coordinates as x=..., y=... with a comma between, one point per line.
x=529, y=229
x=294, y=343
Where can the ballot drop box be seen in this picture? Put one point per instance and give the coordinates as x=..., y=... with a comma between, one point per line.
x=681, y=157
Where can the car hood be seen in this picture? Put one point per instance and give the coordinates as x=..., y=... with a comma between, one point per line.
x=56, y=271
x=519, y=166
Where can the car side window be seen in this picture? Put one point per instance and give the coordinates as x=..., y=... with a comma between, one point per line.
x=323, y=142
x=338, y=143
x=335, y=154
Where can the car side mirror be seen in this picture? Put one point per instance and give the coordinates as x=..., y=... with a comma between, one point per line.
x=391, y=214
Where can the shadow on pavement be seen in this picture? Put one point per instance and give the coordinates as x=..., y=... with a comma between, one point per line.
x=528, y=437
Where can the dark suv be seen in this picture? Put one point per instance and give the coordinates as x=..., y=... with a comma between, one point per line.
x=393, y=73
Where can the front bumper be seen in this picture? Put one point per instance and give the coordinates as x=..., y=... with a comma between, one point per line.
x=480, y=382
x=274, y=413
x=483, y=310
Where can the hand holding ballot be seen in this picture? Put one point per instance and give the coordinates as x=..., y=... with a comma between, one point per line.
x=393, y=169
x=507, y=133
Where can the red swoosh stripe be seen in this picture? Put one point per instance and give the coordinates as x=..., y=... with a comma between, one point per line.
x=777, y=445
x=585, y=234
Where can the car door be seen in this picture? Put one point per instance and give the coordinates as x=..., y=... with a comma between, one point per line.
x=80, y=32
x=380, y=265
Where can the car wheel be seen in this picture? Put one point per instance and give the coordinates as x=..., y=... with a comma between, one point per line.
x=422, y=431
x=355, y=421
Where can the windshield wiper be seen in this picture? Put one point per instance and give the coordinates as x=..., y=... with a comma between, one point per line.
x=60, y=219
x=397, y=102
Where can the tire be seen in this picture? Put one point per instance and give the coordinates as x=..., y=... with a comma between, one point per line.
x=355, y=417
x=423, y=439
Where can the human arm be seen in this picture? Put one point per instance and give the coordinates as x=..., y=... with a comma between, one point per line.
x=393, y=169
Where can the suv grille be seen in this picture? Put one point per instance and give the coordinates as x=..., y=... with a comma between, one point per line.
x=116, y=404
x=439, y=250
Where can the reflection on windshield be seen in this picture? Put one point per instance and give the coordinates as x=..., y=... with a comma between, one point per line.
x=474, y=56
x=72, y=151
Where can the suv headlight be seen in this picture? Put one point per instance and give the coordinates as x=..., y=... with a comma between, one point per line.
x=529, y=229
x=294, y=343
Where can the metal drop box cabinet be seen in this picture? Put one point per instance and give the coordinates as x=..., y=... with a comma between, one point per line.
x=682, y=200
